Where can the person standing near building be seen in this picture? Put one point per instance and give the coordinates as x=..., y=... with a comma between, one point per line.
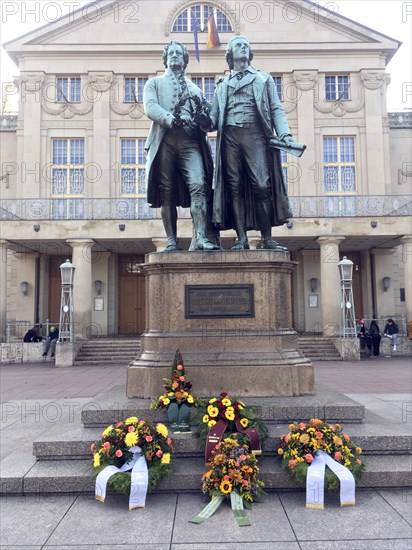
x=249, y=190
x=179, y=167
x=32, y=335
x=391, y=330
x=50, y=343
x=375, y=335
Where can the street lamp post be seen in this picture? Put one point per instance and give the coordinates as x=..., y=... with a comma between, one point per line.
x=66, y=305
x=347, y=318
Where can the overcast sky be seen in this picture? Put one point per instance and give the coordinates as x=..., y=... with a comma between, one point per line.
x=390, y=17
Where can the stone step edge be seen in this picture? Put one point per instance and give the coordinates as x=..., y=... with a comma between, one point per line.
x=56, y=477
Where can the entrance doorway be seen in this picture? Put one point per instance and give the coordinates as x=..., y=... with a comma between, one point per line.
x=131, y=295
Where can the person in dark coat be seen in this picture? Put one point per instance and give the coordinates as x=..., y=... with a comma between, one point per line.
x=375, y=335
x=365, y=340
x=249, y=189
x=50, y=343
x=32, y=335
x=391, y=330
x=179, y=167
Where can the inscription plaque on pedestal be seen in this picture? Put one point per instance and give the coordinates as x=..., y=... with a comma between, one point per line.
x=219, y=301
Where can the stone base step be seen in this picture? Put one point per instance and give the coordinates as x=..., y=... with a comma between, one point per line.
x=71, y=476
x=327, y=404
x=374, y=437
x=101, y=362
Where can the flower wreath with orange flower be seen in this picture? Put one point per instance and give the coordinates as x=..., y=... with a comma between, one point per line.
x=113, y=449
x=298, y=449
x=232, y=467
x=177, y=389
x=237, y=416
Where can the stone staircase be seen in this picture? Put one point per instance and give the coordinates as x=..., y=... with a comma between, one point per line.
x=62, y=458
x=317, y=348
x=108, y=351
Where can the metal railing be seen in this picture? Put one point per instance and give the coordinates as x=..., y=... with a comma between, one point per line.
x=15, y=330
x=381, y=322
x=330, y=206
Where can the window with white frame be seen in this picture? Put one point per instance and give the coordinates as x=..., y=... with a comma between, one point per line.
x=339, y=164
x=201, y=13
x=206, y=84
x=278, y=85
x=68, y=89
x=67, y=179
x=133, y=89
x=132, y=179
x=336, y=87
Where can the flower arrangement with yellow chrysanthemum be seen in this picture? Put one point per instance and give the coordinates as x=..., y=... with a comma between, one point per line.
x=232, y=468
x=231, y=411
x=113, y=449
x=298, y=449
x=177, y=389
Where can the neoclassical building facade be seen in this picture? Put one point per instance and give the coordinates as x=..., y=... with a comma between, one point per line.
x=73, y=160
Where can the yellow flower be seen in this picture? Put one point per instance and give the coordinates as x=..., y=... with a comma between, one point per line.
x=280, y=451
x=166, y=458
x=131, y=420
x=211, y=423
x=347, y=463
x=107, y=431
x=304, y=438
x=225, y=487
x=213, y=400
x=96, y=460
x=230, y=409
x=205, y=418
x=226, y=402
x=190, y=399
x=131, y=439
x=213, y=411
x=230, y=416
x=300, y=459
x=162, y=430
x=244, y=422
x=358, y=450
x=337, y=440
x=166, y=401
x=170, y=394
x=241, y=405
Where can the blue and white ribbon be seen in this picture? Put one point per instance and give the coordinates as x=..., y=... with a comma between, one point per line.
x=139, y=479
x=315, y=481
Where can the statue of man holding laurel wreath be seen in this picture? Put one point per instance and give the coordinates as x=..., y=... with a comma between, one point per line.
x=179, y=167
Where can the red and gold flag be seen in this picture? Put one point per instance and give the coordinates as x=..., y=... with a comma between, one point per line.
x=212, y=34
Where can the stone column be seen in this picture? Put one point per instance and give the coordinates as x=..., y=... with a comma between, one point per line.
x=82, y=289
x=330, y=284
x=407, y=267
x=3, y=289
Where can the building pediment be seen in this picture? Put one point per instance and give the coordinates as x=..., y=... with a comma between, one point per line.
x=121, y=25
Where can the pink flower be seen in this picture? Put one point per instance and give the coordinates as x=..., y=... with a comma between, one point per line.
x=308, y=458
x=302, y=426
x=149, y=438
x=292, y=463
x=182, y=378
x=131, y=429
x=359, y=461
x=338, y=456
x=118, y=453
x=159, y=453
x=169, y=441
x=92, y=447
x=319, y=435
x=106, y=445
x=287, y=438
x=179, y=367
x=346, y=437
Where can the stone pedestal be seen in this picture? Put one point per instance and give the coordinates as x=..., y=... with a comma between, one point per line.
x=255, y=355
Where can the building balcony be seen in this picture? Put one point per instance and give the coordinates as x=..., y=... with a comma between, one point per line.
x=330, y=206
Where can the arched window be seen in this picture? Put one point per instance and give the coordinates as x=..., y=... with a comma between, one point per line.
x=201, y=12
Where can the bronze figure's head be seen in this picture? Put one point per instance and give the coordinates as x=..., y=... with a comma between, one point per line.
x=235, y=44
x=184, y=51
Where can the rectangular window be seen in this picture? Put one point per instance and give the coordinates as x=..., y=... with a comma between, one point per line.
x=336, y=87
x=133, y=167
x=68, y=167
x=133, y=89
x=206, y=84
x=339, y=169
x=68, y=90
x=278, y=85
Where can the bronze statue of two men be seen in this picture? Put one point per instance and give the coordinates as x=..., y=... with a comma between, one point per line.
x=249, y=190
